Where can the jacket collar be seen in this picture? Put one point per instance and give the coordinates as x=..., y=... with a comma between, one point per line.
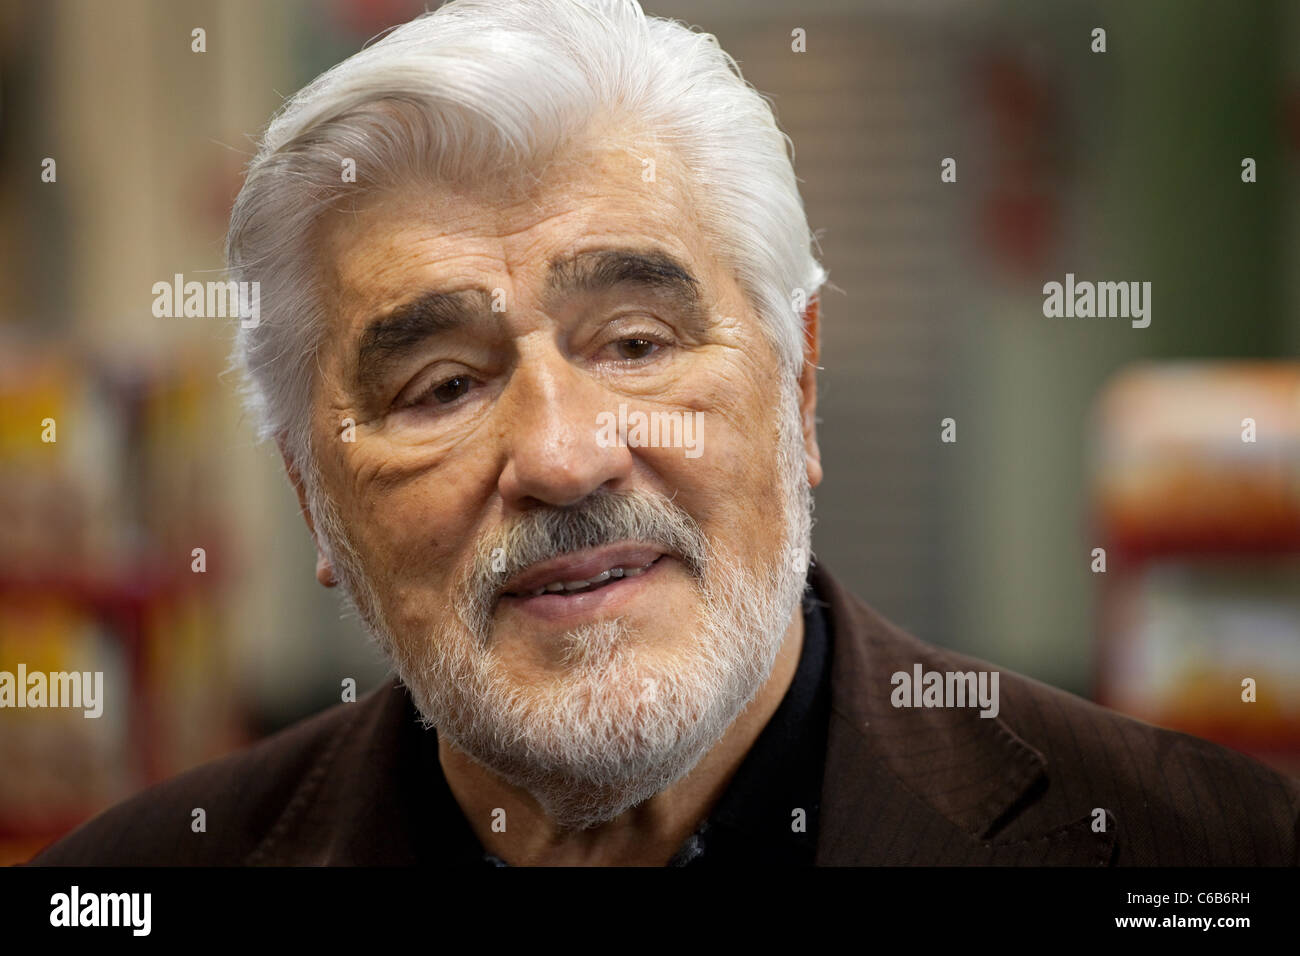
x=369, y=795
x=923, y=786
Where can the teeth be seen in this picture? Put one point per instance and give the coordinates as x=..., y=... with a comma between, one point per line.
x=557, y=586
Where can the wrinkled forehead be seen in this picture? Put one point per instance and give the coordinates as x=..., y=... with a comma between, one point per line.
x=371, y=250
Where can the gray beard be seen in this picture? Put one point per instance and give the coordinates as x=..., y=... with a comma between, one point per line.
x=622, y=721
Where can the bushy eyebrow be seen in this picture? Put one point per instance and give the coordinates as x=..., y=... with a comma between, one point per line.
x=387, y=337
x=602, y=269
x=431, y=313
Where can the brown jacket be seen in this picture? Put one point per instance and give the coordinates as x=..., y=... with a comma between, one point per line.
x=910, y=786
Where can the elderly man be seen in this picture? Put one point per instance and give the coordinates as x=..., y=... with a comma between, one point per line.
x=539, y=348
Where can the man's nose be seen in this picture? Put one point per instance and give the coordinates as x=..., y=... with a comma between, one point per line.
x=550, y=416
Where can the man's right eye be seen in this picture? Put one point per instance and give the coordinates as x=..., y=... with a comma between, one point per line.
x=442, y=393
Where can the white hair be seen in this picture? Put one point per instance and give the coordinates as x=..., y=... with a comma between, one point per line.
x=483, y=88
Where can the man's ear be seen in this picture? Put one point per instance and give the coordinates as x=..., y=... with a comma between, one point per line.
x=808, y=389
x=324, y=569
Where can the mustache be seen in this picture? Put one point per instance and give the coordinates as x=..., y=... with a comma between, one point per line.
x=603, y=518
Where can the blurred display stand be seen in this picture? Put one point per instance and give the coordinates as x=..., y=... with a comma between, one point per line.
x=98, y=572
x=1197, y=502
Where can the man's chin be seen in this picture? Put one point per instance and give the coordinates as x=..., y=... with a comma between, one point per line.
x=605, y=734
x=616, y=771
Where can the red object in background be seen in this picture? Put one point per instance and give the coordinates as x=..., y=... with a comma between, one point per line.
x=97, y=574
x=1290, y=121
x=366, y=18
x=1020, y=228
x=1174, y=475
x=1019, y=213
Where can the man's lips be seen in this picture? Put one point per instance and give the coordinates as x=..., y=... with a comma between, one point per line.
x=580, y=570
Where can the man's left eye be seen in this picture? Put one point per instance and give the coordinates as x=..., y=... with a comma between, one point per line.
x=636, y=348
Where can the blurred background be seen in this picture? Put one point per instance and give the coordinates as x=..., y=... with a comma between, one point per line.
x=1072, y=435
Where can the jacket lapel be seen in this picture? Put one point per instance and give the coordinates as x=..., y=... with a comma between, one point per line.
x=924, y=786
x=354, y=807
